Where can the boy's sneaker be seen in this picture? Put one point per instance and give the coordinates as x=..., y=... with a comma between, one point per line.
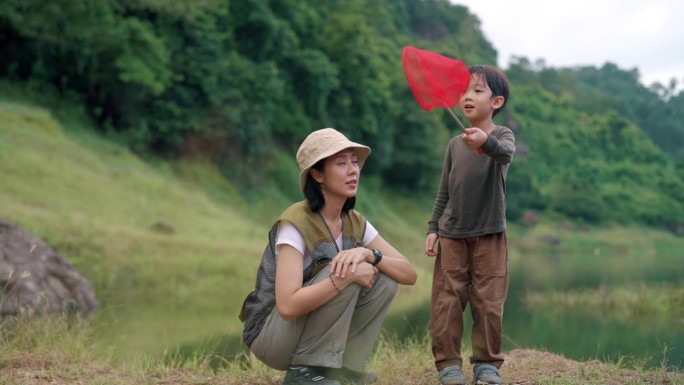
x=486, y=374
x=348, y=376
x=452, y=375
x=307, y=375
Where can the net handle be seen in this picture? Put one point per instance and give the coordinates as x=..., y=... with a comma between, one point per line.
x=455, y=117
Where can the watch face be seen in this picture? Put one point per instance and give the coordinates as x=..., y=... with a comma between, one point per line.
x=378, y=256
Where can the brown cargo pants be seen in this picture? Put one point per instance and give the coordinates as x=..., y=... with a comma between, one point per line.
x=469, y=271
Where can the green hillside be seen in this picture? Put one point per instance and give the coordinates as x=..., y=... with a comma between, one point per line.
x=156, y=241
x=239, y=83
x=101, y=207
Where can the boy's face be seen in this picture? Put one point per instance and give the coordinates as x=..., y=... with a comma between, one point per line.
x=478, y=104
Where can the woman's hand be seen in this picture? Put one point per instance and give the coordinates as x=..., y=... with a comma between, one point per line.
x=347, y=261
x=365, y=274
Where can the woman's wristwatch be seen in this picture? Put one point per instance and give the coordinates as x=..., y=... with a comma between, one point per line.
x=378, y=257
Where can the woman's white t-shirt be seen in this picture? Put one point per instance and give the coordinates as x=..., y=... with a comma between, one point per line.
x=289, y=235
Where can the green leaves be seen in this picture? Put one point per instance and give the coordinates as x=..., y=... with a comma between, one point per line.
x=144, y=60
x=247, y=78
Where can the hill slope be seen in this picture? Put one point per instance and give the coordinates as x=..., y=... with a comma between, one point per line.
x=144, y=238
x=171, y=249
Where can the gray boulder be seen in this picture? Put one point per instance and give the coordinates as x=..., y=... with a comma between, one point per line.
x=35, y=280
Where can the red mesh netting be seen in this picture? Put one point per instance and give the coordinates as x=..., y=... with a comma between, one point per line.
x=435, y=80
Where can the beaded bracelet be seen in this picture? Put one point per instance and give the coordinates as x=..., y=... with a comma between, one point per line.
x=334, y=285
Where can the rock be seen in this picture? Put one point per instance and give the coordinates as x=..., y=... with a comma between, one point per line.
x=163, y=228
x=35, y=280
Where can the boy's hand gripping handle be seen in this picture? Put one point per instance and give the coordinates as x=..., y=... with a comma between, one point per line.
x=479, y=150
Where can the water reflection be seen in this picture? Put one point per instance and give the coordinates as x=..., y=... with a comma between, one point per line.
x=584, y=337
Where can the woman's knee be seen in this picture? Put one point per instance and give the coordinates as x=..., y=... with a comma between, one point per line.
x=387, y=285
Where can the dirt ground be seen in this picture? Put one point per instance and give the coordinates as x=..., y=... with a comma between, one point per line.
x=523, y=367
x=533, y=367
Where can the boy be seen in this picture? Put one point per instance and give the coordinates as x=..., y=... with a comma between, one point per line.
x=469, y=220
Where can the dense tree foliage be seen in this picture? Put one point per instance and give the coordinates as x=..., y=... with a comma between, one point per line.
x=658, y=110
x=232, y=80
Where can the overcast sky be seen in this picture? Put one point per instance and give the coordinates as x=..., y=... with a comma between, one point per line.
x=643, y=34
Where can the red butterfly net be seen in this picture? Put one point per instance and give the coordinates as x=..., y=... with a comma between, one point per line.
x=435, y=80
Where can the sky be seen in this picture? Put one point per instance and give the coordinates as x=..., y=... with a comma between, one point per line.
x=647, y=35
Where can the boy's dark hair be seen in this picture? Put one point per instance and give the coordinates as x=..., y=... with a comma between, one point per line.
x=314, y=195
x=496, y=81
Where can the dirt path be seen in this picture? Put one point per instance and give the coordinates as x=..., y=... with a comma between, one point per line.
x=523, y=367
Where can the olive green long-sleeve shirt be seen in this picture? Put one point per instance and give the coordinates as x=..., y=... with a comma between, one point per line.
x=471, y=200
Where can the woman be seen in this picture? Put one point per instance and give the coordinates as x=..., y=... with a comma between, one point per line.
x=327, y=277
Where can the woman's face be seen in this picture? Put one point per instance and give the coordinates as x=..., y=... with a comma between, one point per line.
x=340, y=176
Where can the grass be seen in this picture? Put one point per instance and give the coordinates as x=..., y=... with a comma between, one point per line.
x=165, y=244
x=53, y=350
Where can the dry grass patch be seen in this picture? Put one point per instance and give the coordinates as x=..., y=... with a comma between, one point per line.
x=396, y=367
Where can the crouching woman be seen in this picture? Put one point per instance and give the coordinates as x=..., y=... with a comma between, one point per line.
x=326, y=277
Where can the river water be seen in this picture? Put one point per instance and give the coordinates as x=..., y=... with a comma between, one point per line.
x=642, y=338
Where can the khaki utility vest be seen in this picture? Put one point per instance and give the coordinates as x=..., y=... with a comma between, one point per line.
x=320, y=247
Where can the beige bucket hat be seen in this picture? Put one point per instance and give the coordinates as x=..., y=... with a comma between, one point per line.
x=323, y=143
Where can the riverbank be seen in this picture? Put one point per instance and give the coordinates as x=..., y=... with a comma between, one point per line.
x=396, y=367
x=58, y=351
